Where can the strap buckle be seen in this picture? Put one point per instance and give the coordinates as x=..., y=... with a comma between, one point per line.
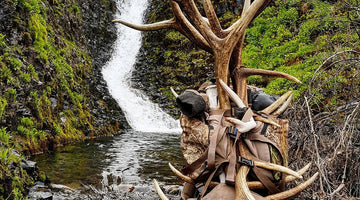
x=247, y=162
x=232, y=131
x=244, y=135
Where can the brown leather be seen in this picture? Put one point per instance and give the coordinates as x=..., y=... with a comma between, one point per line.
x=188, y=191
x=221, y=192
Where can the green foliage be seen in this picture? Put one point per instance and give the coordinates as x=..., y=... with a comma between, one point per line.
x=3, y=103
x=76, y=9
x=2, y=42
x=32, y=72
x=4, y=136
x=293, y=37
x=37, y=26
x=42, y=59
x=11, y=94
x=27, y=122
x=14, y=63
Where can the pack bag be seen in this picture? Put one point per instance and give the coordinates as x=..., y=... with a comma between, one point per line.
x=210, y=147
x=214, y=160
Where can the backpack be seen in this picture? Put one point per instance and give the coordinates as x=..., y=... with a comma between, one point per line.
x=211, y=147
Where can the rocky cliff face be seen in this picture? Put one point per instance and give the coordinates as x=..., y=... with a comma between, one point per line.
x=50, y=60
x=51, y=87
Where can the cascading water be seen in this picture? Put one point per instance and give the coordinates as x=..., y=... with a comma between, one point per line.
x=142, y=115
x=113, y=166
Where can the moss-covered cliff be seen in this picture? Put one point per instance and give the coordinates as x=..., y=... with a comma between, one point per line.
x=51, y=87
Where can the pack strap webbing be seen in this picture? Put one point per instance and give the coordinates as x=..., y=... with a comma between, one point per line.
x=231, y=169
x=216, y=129
x=265, y=180
x=196, y=164
x=209, y=180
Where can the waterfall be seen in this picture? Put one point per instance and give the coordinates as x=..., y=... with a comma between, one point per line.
x=141, y=114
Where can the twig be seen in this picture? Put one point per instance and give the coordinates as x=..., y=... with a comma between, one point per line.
x=341, y=186
x=326, y=62
x=315, y=143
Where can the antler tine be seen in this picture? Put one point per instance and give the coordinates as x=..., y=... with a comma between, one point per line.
x=179, y=23
x=262, y=72
x=242, y=73
x=173, y=92
x=242, y=191
x=257, y=185
x=213, y=20
x=275, y=167
x=180, y=175
x=284, y=106
x=292, y=192
x=276, y=104
x=149, y=27
x=186, y=28
x=159, y=191
x=233, y=96
x=268, y=121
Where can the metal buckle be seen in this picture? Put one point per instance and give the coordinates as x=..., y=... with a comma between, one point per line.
x=232, y=131
x=247, y=162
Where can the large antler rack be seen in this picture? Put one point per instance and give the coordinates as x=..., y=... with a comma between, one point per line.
x=208, y=34
x=226, y=46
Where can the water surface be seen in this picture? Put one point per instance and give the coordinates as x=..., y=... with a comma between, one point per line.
x=117, y=163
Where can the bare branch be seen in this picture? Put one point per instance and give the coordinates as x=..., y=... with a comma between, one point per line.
x=315, y=143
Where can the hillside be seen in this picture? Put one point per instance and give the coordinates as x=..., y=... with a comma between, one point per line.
x=51, y=88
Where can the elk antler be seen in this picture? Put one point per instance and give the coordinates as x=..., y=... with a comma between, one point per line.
x=241, y=74
x=292, y=192
x=159, y=191
x=208, y=34
x=180, y=175
x=226, y=47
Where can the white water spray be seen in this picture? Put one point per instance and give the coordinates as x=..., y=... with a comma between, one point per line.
x=142, y=115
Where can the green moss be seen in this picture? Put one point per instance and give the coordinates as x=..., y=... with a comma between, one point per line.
x=4, y=136
x=11, y=94
x=3, y=103
x=44, y=73
x=18, y=178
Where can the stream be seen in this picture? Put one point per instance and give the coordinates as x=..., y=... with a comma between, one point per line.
x=121, y=167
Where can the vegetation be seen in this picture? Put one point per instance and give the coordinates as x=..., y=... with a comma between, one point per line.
x=13, y=182
x=46, y=72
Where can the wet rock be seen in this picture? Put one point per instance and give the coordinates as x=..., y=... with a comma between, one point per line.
x=29, y=166
x=61, y=188
x=40, y=191
x=173, y=189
